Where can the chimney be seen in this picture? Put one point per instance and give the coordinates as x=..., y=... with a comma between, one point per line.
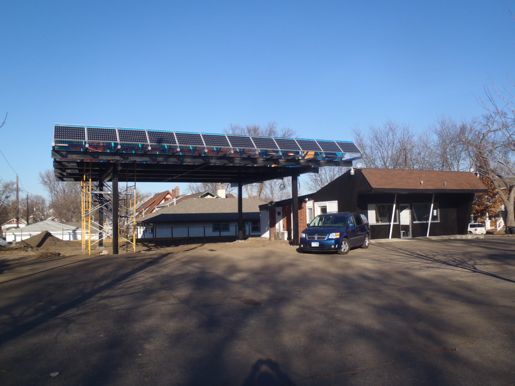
x=220, y=191
x=176, y=192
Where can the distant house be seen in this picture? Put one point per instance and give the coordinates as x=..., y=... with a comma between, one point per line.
x=398, y=203
x=153, y=203
x=206, y=217
x=172, y=197
x=12, y=223
x=57, y=229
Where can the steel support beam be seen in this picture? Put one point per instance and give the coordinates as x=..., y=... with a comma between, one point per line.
x=115, y=209
x=241, y=225
x=295, y=208
x=101, y=214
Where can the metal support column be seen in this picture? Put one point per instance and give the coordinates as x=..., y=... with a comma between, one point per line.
x=100, y=203
x=115, y=209
x=393, y=216
x=241, y=230
x=295, y=208
x=430, y=214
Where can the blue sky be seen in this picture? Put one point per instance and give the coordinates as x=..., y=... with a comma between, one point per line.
x=321, y=68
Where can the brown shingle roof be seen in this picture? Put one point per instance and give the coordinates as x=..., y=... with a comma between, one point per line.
x=421, y=180
x=206, y=206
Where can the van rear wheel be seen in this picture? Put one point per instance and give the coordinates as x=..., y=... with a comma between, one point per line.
x=366, y=242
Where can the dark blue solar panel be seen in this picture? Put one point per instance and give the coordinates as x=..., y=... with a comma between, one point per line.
x=329, y=146
x=265, y=143
x=101, y=135
x=286, y=144
x=132, y=136
x=187, y=139
x=161, y=137
x=215, y=140
x=308, y=145
x=348, y=147
x=69, y=133
x=239, y=141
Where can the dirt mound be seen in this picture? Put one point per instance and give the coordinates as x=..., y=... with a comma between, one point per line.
x=43, y=239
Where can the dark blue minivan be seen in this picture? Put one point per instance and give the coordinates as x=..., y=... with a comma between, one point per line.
x=335, y=232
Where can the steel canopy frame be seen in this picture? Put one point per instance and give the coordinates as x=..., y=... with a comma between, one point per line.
x=120, y=155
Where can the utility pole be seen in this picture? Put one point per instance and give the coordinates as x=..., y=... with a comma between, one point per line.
x=28, y=214
x=17, y=202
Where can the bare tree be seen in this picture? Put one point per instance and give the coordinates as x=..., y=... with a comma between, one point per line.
x=449, y=151
x=324, y=176
x=491, y=145
x=34, y=209
x=267, y=190
x=389, y=146
x=7, y=191
x=211, y=187
x=64, y=197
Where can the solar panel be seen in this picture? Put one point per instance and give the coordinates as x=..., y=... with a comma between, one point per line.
x=69, y=133
x=348, y=147
x=215, y=140
x=264, y=143
x=308, y=145
x=101, y=135
x=329, y=146
x=187, y=139
x=287, y=144
x=161, y=137
x=241, y=142
x=132, y=136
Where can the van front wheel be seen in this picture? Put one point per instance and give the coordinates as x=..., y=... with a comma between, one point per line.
x=344, y=247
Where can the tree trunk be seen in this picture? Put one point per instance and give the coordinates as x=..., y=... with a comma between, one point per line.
x=510, y=220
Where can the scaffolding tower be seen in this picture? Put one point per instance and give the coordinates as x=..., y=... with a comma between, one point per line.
x=97, y=216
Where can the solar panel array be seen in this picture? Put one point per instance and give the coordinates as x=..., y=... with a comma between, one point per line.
x=151, y=137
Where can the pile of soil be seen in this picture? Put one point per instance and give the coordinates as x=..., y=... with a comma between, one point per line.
x=43, y=239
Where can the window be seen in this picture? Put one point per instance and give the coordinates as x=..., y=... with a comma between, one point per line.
x=358, y=219
x=421, y=212
x=323, y=209
x=331, y=220
x=255, y=227
x=382, y=213
x=309, y=215
x=221, y=227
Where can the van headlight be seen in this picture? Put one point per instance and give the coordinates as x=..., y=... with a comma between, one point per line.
x=302, y=235
x=335, y=235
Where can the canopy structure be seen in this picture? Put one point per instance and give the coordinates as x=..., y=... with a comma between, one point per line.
x=120, y=154
x=165, y=156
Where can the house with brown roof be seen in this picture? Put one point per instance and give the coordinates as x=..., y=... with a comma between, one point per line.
x=203, y=217
x=398, y=203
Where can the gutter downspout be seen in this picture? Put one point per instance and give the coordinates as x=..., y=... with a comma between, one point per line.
x=393, y=215
x=430, y=214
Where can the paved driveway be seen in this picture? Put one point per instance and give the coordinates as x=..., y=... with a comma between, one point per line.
x=257, y=313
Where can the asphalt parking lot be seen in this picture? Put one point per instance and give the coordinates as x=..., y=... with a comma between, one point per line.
x=257, y=313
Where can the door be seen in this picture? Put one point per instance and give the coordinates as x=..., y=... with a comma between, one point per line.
x=352, y=232
x=405, y=220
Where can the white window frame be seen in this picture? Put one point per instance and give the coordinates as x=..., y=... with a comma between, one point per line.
x=435, y=207
x=373, y=207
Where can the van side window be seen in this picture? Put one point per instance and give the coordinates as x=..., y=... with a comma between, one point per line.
x=357, y=217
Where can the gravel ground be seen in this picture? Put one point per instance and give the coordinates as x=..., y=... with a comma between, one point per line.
x=257, y=313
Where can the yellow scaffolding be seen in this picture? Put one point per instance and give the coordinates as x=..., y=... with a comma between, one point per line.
x=92, y=201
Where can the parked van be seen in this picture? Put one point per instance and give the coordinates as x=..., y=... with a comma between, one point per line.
x=476, y=228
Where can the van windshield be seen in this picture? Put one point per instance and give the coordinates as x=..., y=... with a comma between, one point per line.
x=329, y=220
